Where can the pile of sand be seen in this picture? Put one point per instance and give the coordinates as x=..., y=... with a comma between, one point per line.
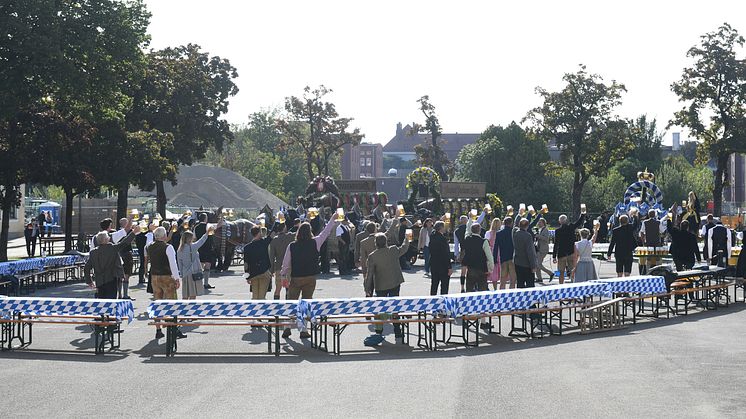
x=209, y=186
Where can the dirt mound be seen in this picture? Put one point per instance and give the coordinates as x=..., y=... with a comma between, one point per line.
x=209, y=186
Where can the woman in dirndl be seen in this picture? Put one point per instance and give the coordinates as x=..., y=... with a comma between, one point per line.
x=187, y=258
x=585, y=269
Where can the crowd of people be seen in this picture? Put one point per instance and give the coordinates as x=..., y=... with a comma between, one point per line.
x=299, y=245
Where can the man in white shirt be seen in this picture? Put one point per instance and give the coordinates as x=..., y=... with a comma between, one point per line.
x=164, y=271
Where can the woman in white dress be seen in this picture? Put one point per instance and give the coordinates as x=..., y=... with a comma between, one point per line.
x=585, y=269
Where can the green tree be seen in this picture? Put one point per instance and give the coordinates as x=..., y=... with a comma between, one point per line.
x=184, y=93
x=500, y=157
x=677, y=177
x=646, y=149
x=315, y=127
x=689, y=151
x=714, y=88
x=580, y=119
x=63, y=66
x=243, y=156
x=432, y=154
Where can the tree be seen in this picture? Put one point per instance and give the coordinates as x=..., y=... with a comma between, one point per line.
x=646, y=152
x=677, y=177
x=184, y=93
x=501, y=153
x=245, y=157
x=316, y=127
x=715, y=89
x=63, y=66
x=580, y=119
x=68, y=160
x=432, y=155
x=689, y=151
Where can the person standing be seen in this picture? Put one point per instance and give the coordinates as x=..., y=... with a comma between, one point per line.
x=359, y=237
x=490, y=236
x=257, y=264
x=343, y=248
x=190, y=269
x=603, y=230
x=542, y=245
x=106, y=264
x=440, y=260
x=585, y=270
x=140, y=242
x=300, y=264
x=564, y=245
x=28, y=234
x=277, y=249
x=691, y=213
x=125, y=253
x=524, y=258
x=476, y=256
x=623, y=245
x=107, y=268
x=423, y=244
x=459, y=234
x=684, y=248
x=164, y=272
x=385, y=276
x=704, y=232
x=719, y=245
x=367, y=246
x=206, y=252
x=651, y=233
x=503, y=252
x=40, y=220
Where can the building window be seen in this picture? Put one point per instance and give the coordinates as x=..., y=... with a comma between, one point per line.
x=362, y=161
x=369, y=161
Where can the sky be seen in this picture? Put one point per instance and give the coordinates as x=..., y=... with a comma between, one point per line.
x=479, y=61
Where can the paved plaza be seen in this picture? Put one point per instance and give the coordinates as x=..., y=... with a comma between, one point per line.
x=687, y=366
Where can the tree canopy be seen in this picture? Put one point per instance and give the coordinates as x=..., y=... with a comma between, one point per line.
x=580, y=119
x=714, y=89
x=315, y=126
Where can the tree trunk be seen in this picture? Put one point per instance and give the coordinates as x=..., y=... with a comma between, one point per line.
x=577, y=193
x=6, y=206
x=69, y=196
x=122, y=203
x=717, y=188
x=160, y=198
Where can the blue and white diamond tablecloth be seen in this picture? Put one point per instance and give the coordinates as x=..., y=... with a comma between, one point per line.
x=38, y=264
x=222, y=308
x=568, y=291
x=492, y=301
x=376, y=305
x=66, y=306
x=643, y=285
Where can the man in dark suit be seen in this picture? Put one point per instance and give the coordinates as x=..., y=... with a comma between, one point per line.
x=564, y=245
x=719, y=244
x=106, y=264
x=440, y=260
x=623, y=239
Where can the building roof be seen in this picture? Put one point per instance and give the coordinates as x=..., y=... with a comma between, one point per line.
x=405, y=140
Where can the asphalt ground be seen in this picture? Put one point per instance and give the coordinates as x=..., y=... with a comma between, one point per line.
x=685, y=366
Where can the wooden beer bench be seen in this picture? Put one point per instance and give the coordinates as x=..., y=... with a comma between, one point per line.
x=19, y=314
x=273, y=325
x=267, y=314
